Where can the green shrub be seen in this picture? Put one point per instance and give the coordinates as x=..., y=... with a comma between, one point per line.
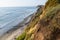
x=21, y=37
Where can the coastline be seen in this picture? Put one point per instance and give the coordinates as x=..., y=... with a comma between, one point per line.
x=20, y=27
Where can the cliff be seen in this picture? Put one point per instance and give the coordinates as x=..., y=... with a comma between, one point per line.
x=45, y=24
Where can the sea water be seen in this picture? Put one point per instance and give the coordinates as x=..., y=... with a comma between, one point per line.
x=11, y=16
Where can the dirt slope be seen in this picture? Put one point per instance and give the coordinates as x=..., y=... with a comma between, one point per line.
x=45, y=25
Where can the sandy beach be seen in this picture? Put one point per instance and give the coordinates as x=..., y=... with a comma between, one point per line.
x=17, y=30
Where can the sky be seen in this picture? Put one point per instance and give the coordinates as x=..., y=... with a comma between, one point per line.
x=15, y=3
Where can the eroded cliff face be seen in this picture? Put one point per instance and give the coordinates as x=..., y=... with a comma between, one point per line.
x=45, y=25
x=49, y=24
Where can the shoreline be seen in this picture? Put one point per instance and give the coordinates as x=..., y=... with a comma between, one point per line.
x=21, y=26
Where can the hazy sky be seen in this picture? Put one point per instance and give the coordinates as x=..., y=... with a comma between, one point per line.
x=12, y=3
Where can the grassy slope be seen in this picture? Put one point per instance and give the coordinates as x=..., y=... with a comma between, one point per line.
x=47, y=23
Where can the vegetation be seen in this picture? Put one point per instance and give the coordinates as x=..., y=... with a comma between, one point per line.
x=51, y=3
x=21, y=37
x=48, y=22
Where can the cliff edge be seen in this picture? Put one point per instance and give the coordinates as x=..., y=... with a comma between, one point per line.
x=45, y=24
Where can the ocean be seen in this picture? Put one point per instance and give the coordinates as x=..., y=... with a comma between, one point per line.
x=11, y=16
